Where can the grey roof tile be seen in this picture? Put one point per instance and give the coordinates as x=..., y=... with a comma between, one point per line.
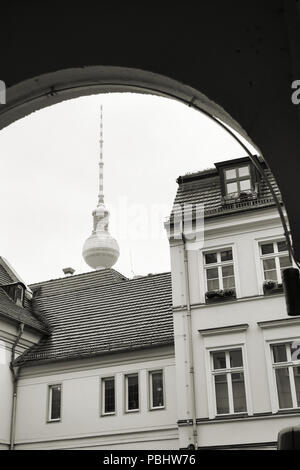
x=101, y=312
x=4, y=276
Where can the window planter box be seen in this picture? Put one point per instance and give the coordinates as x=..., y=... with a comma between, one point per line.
x=272, y=287
x=243, y=196
x=220, y=296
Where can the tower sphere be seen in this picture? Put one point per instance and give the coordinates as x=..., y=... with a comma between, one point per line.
x=100, y=250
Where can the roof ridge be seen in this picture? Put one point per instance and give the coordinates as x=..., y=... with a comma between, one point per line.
x=107, y=285
x=63, y=278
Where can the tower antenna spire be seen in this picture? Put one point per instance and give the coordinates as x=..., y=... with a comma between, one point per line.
x=100, y=250
x=101, y=163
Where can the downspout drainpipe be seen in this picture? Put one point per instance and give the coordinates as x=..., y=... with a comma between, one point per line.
x=15, y=377
x=190, y=345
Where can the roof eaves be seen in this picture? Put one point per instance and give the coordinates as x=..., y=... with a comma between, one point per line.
x=25, y=360
x=28, y=323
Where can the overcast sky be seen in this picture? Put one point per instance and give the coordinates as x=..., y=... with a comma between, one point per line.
x=49, y=179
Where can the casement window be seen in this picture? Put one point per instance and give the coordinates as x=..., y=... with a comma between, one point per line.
x=228, y=381
x=54, y=400
x=274, y=257
x=156, y=389
x=219, y=270
x=132, y=392
x=237, y=179
x=286, y=369
x=16, y=293
x=108, y=406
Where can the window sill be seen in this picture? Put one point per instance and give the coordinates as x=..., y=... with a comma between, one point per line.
x=242, y=414
x=132, y=411
x=284, y=411
x=54, y=420
x=254, y=416
x=157, y=408
x=103, y=415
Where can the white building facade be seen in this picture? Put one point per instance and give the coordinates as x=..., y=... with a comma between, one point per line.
x=242, y=375
x=204, y=357
x=87, y=417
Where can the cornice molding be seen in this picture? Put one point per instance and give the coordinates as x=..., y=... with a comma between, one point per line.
x=278, y=323
x=224, y=329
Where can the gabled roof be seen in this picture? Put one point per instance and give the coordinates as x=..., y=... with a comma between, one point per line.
x=8, y=275
x=5, y=278
x=102, y=312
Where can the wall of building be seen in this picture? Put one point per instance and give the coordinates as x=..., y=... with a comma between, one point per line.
x=8, y=335
x=252, y=321
x=6, y=393
x=81, y=424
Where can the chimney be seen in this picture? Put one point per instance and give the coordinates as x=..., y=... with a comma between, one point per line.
x=69, y=271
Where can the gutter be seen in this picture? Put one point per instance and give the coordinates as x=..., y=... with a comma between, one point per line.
x=15, y=376
x=190, y=345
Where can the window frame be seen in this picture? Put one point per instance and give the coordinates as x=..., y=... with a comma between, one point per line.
x=276, y=254
x=229, y=371
x=290, y=365
x=126, y=376
x=150, y=373
x=237, y=178
x=102, y=395
x=49, y=403
x=219, y=264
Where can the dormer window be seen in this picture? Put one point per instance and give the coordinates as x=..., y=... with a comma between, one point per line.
x=237, y=180
x=16, y=292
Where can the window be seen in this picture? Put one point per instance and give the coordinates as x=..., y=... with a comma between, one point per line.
x=286, y=367
x=237, y=179
x=275, y=258
x=54, y=402
x=156, y=389
x=219, y=270
x=108, y=396
x=132, y=392
x=228, y=378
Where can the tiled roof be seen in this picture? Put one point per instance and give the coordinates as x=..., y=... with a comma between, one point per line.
x=78, y=282
x=4, y=276
x=101, y=312
x=204, y=187
x=13, y=312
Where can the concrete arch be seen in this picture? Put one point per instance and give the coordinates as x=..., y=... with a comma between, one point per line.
x=48, y=89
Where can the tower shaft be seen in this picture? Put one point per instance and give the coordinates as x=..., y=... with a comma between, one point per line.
x=101, y=164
